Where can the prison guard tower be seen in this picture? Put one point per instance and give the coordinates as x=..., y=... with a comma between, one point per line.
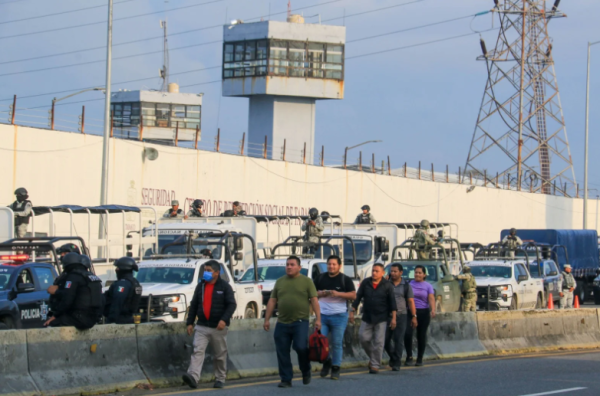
x=283, y=68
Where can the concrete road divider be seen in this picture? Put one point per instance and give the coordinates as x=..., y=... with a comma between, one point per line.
x=14, y=373
x=535, y=330
x=65, y=361
x=453, y=335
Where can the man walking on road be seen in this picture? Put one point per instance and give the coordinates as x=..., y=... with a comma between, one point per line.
x=334, y=290
x=213, y=304
x=379, y=304
x=405, y=301
x=566, y=286
x=293, y=294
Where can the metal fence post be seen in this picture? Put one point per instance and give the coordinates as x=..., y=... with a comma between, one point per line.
x=83, y=120
x=284, y=144
x=265, y=148
x=360, y=160
x=52, y=116
x=14, y=110
x=373, y=163
x=243, y=143
x=218, y=142
x=304, y=154
x=485, y=178
x=177, y=133
x=345, y=156
x=459, y=176
x=419, y=170
x=197, y=133
x=322, y=155
x=432, y=173
x=389, y=167
x=405, y=168
x=447, y=175
x=497, y=180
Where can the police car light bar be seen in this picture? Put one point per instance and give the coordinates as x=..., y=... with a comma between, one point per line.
x=15, y=257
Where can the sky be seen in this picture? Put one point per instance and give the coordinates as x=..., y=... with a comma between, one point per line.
x=421, y=101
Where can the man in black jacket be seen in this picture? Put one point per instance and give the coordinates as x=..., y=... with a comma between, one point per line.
x=213, y=305
x=379, y=304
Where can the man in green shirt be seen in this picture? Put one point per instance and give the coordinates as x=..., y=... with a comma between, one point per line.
x=293, y=294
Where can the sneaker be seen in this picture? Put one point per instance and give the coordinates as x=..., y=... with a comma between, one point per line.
x=326, y=368
x=335, y=373
x=409, y=361
x=284, y=384
x=218, y=385
x=189, y=380
x=306, y=378
x=373, y=371
x=419, y=362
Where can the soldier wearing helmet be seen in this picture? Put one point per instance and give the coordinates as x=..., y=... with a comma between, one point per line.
x=123, y=296
x=313, y=228
x=79, y=295
x=469, y=290
x=22, y=208
x=174, y=212
x=196, y=210
x=512, y=242
x=423, y=240
x=366, y=217
x=68, y=248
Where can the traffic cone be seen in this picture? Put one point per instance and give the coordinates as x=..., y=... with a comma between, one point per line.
x=576, y=304
x=550, y=302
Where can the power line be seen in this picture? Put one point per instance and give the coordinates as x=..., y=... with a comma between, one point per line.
x=103, y=22
x=370, y=11
x=61, y=13
x=161, y=37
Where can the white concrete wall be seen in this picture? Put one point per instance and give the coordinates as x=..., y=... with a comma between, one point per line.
x=65, y=168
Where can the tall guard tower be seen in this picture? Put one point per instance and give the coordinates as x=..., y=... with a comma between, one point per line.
x=520, y=131
x=283, y=68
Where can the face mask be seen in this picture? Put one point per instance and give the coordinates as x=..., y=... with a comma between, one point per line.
x=207, y=276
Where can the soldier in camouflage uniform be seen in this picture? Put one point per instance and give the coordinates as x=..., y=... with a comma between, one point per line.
x=366, y=217
x=196, y=209
x=313, y=228
x=174, y=212
x=423, y=240
x=512, y=242
x=469, y=290
x=566, y=286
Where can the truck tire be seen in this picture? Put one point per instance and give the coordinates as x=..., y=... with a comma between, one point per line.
x=513, y=303
x=250, y=313
x=6, y=323
x=3, y=326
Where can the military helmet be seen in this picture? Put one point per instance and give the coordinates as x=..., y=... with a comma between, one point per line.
x=86, y=262
x=424, y=223
x=21, y=192
x=513, y=231
x=466, y=269
x=197, y=203
x=313, y=213
x=70, y=259
x=325, y=215
x=126, y=264
x=366, y=207
x=68, y=248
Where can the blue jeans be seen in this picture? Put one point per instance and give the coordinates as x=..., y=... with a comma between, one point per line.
x=293, y=335
x=336, y=324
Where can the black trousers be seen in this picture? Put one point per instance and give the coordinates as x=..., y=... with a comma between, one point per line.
x=423, y=319
x=75, y=319
x=394, y=339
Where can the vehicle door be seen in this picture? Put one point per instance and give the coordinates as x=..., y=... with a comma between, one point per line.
x=44, y=278
x=519, y=286
x=528, y=297
x=317, y=269
x=450, y=290
x=552, y=277
x=29, y=303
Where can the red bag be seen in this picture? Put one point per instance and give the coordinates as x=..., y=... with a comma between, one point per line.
x=318, y=347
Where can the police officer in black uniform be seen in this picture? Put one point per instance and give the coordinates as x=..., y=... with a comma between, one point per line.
x=68, y=248
x=22, y=208
x=79, y=295
x=123, y=296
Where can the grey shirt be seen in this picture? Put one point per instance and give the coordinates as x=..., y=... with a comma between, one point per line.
x=402, y=291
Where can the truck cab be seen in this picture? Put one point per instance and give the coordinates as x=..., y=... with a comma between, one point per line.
x=169, y=278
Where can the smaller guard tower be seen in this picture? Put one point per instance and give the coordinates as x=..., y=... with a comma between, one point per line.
x=283, y=68
x=161, y=117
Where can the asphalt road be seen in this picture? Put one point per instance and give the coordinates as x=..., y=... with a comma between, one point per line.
x=561, y=373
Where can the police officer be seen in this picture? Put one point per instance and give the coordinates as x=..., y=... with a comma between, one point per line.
x=123, y=296
x=68, y=248
x=423, y=240
x=79, y=295
x=566, y=285
x=469, y=290
x=366, y=217
x=196, y=209
x=512, y=242
x=22, y=208
x=313, y=228
x=174, y=212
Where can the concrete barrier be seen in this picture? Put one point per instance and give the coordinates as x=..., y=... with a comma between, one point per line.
x=535, y=330
x=65, y=361
x=453, y=335
x=14, y=373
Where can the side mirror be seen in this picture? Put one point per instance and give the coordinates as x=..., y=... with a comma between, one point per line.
x=238, y=243
x=553, y=273
x=522, y=278
x=385, y=257
x=382, y=245
x=239, y=256
x=25, y=288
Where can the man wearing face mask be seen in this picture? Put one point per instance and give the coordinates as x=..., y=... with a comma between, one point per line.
x=213, y=305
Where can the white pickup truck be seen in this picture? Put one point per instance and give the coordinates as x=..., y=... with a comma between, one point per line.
x=170, y=278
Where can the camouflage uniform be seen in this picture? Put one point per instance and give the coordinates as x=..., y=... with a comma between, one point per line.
x=566, y=282
x=314, y=232
x=423, y=240
x=195, y=213
x=167, y=214
x=365, y=219
x=512, y=242
x=469, y=290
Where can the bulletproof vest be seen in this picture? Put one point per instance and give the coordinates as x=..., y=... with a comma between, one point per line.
x=364, y=219
x=135, y=294
x=469, y=285
x=54, y=299
x=196, y=213
x=91, y=296
x=18, y=207
x=568, y=280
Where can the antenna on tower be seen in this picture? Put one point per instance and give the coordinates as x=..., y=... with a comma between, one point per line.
x=164, y=72
x=520, y=131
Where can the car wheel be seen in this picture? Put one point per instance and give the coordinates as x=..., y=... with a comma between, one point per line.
x=6, y=323
x=250, y=313
x=597, y=296
x=540, y=302
x=513, y=303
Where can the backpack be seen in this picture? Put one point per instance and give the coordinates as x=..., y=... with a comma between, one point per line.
x=318, y=347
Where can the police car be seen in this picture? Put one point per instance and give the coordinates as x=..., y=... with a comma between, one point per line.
x=28, y=266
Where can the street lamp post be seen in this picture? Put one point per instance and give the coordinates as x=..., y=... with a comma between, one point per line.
x=360, y=144
x=587, y=123
x=107, y=126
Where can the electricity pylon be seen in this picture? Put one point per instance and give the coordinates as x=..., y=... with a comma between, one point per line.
x=520, y=131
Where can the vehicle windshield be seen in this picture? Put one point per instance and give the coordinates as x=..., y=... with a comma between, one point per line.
x=268, y=273
x=5, y=273
x=363, y=247
x=164, y=240
x=491, y=271
x=408, y=272
x=182, y=276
